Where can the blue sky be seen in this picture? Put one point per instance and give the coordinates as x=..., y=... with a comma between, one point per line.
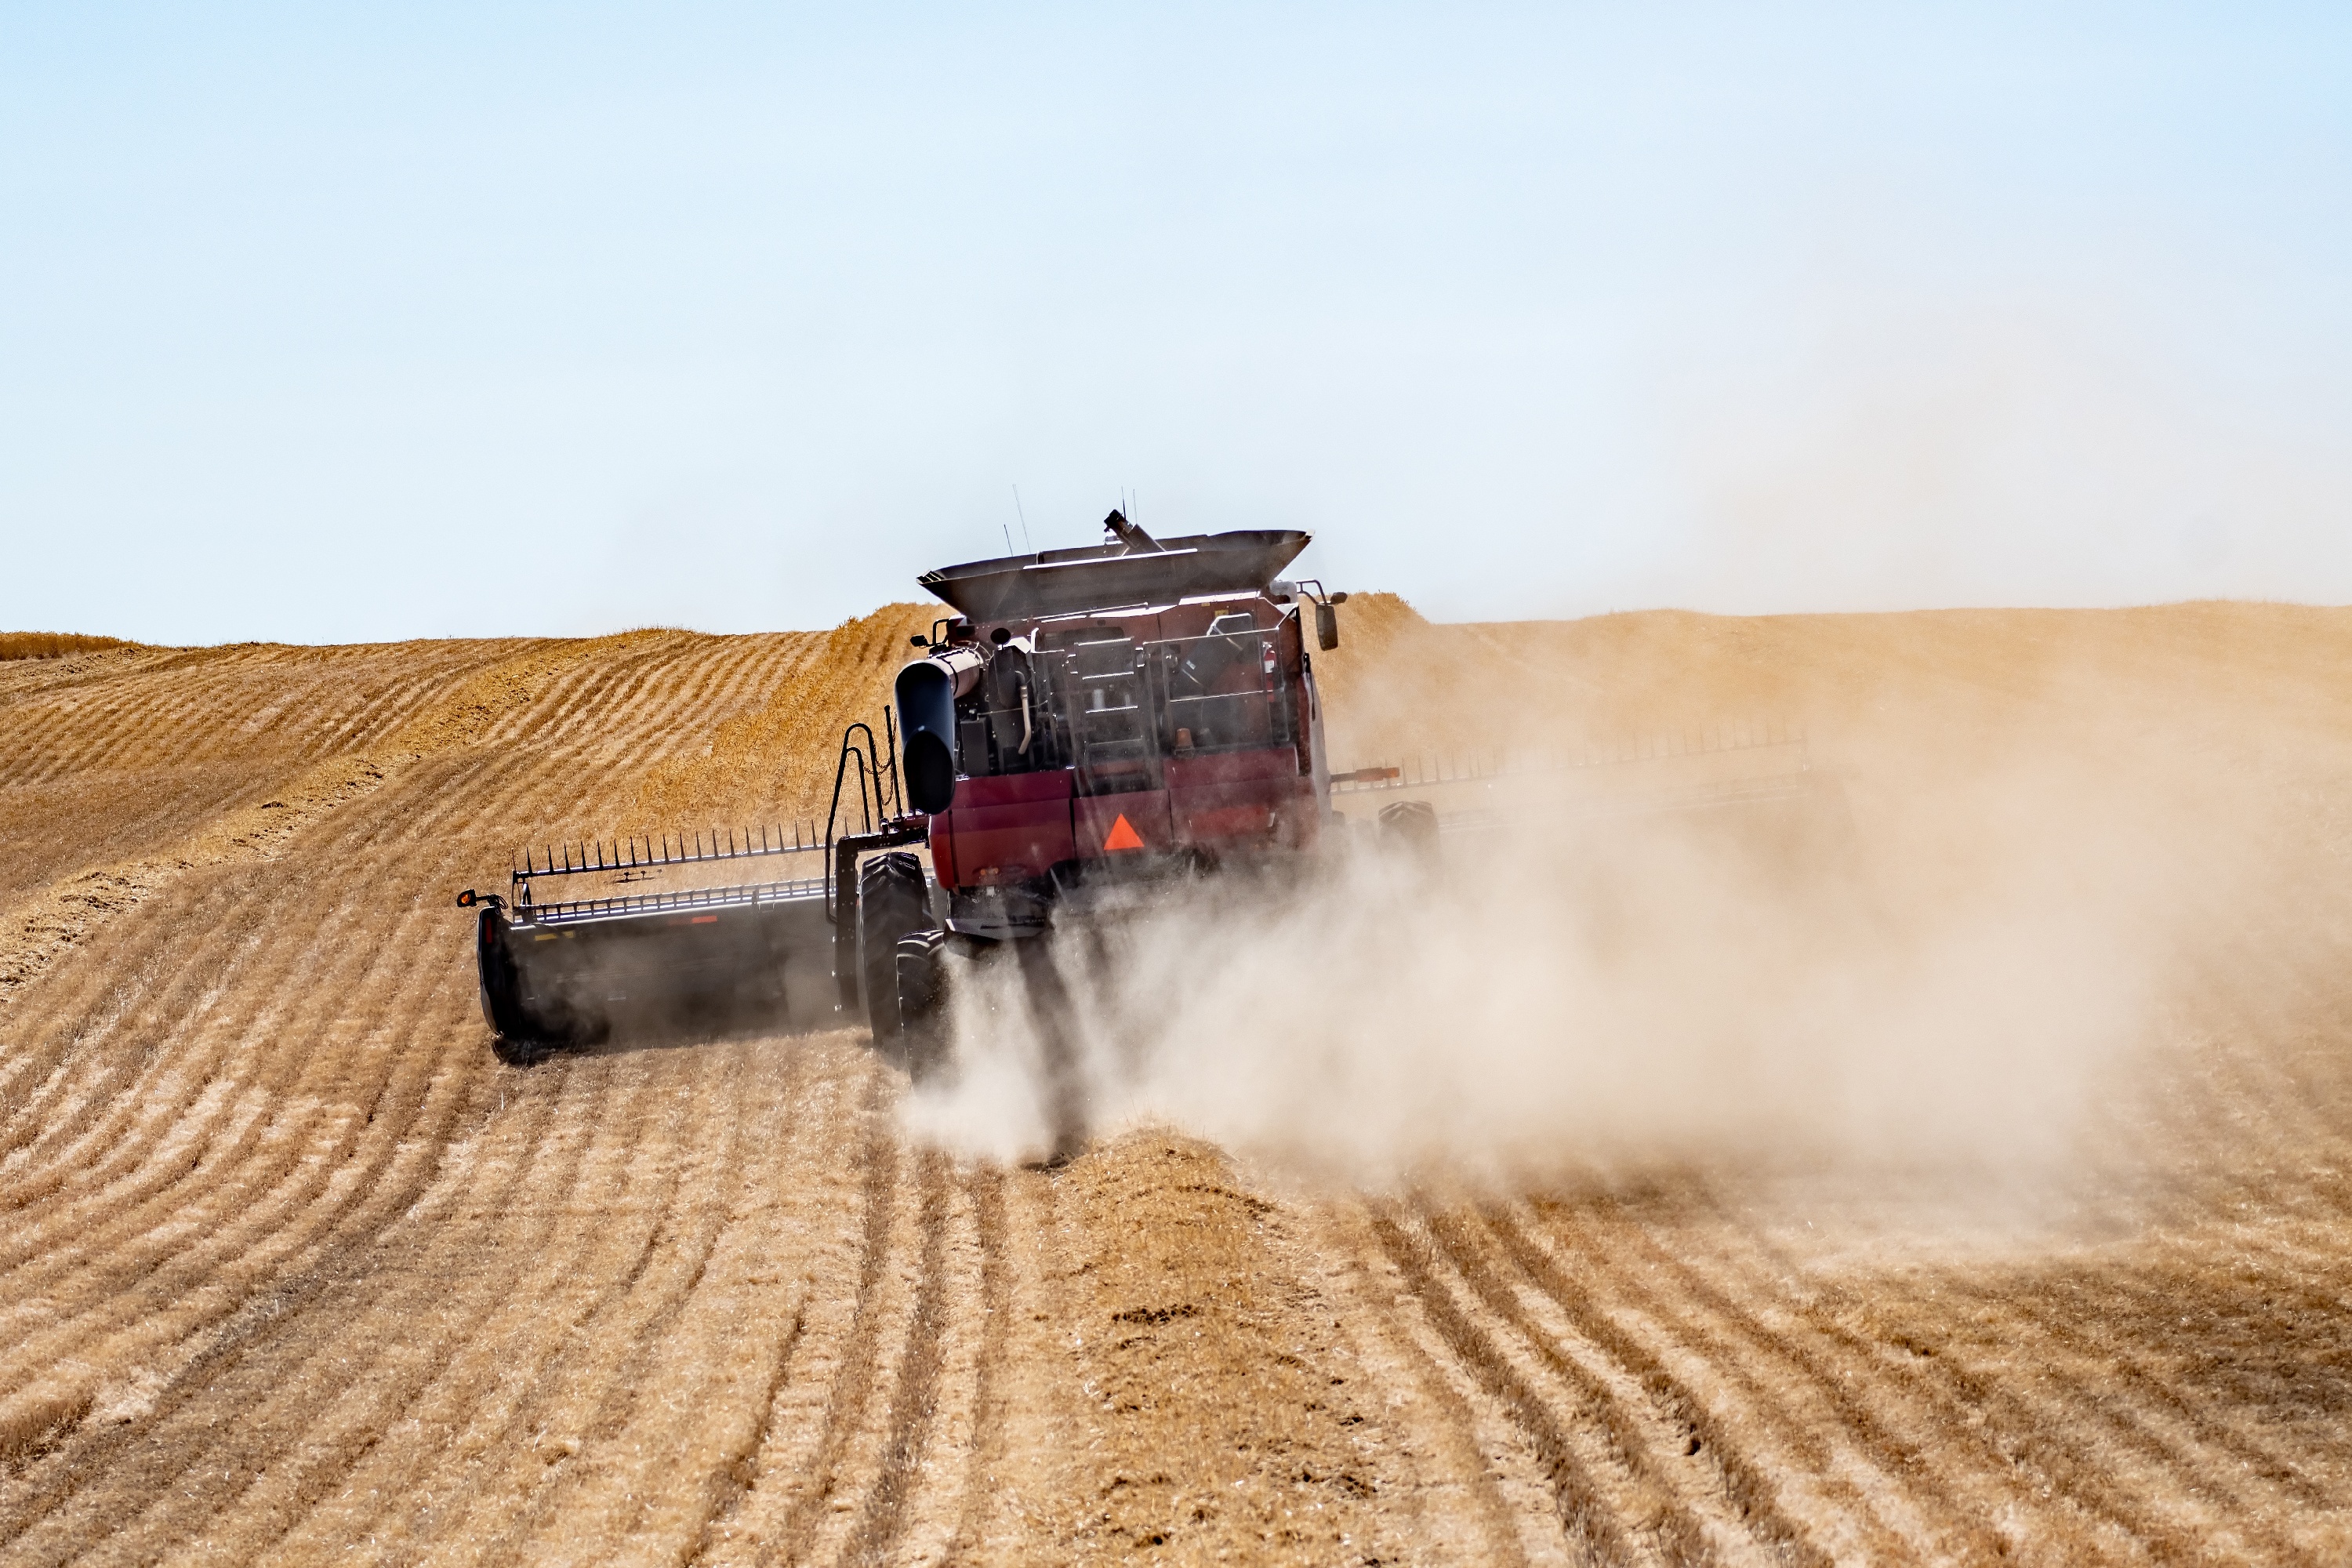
x=325, y=323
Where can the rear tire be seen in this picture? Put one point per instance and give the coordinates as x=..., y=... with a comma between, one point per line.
x=892, y=900
x=1410, y=828
x=922, y=1001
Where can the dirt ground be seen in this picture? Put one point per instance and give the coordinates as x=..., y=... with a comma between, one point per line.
x=293, y=1269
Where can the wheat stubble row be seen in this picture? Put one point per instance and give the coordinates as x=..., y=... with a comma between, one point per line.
x=568, y=1237
x=293, y=1269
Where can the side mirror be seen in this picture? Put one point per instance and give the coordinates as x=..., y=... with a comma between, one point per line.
x=1339, y=598
x=919, y=640
x=1327, y=626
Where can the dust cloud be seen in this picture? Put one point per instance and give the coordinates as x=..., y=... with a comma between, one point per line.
x=1925, y=952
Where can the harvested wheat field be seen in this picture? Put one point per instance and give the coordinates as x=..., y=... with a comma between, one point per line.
x=1995, y=1203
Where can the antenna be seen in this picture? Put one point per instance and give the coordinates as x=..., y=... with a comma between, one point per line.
x=1008, y=537
x=1025, y=518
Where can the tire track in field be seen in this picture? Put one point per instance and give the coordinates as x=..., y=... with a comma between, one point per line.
x=1453, y=1491
x=1980, y=1433
x=299, y=1194
x=138, y=1122
x=853, y=1379
x=1762, y=1431
x=1656, y=1430
x=446, y=797
x=914, y=1401
x=738, y=1500
x=1579, y=1499
x=1877, y=1482
x=578, y=1390
x=92, y=1457
x=247, y=1372
x=989, y=1396
x=324, y=1191
x=118, y=1114
x=534, y=1363
x=544, y=1252
x=1017, y=1485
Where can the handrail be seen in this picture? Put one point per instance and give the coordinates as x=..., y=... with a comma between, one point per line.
x=890, y=729
x=879, y=803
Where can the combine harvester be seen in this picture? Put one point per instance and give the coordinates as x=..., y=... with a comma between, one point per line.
x=1089, y=724
x=1087, y=719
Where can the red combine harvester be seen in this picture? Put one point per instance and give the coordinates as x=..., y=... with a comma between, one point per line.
x=1086, y=720
x=1088, y=724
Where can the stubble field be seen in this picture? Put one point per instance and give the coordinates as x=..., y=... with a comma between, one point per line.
x=293, y=1269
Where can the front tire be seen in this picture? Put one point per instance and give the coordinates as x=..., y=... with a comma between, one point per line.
x=1409, y=828
x=892, y=900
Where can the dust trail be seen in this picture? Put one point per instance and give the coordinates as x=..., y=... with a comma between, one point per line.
x=1946, y=1004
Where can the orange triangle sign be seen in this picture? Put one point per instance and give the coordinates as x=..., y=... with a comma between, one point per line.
x=1123, y=834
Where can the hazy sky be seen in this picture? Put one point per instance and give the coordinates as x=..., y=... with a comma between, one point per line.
x=330, y=322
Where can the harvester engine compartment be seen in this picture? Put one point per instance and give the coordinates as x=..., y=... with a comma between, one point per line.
x=1181, y=730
